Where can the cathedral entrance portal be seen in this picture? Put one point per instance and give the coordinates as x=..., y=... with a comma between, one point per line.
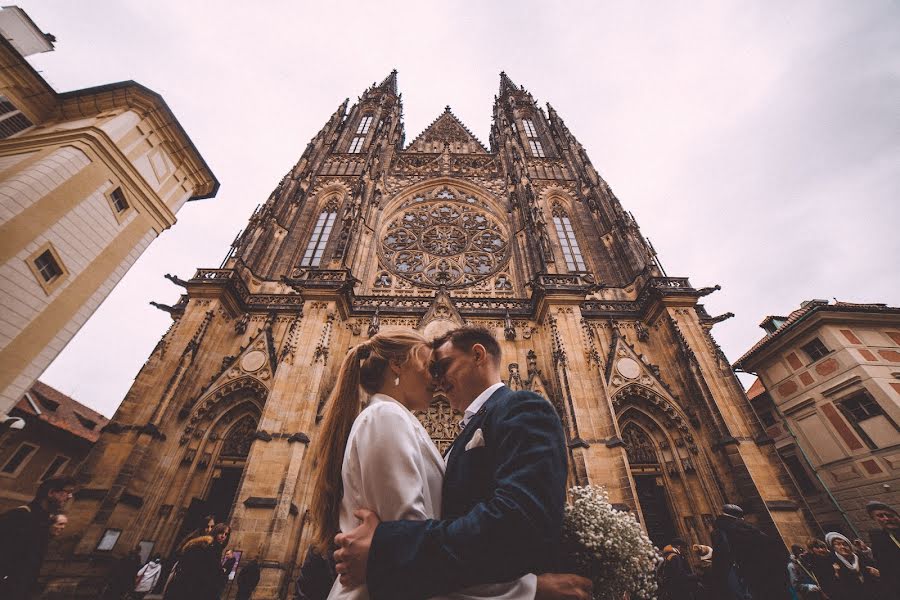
x=222, y=492
x=657, y=517
x=648, y=481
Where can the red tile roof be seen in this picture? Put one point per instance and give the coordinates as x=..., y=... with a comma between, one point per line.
x=757, y=389
x=62, y=412
x=810, y=307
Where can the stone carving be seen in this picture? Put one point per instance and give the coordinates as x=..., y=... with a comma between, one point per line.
x=239, y=438
x=638, y=446
x=441, y=422
x=444, y=239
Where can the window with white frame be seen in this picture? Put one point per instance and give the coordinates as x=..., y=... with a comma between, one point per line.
x=356, y=144
x=316, y=247
x=19, y=459
x=537, y=149
x=47, y=266
x=568, y=241
x=118, y=200
x=364, y=124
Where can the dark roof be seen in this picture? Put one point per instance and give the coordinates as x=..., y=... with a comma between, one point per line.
x=810, y=308
x=62, y=412
x=448, y=112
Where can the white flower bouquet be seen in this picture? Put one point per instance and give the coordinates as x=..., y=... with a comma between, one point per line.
x=609, y=547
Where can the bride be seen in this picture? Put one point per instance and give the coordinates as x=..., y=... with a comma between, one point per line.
x=377, y=455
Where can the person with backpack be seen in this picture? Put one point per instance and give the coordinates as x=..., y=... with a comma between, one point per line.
x=747, y=563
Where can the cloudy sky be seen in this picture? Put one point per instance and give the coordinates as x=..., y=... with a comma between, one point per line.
x=757, y=143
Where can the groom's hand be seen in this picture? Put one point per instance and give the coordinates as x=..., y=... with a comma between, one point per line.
x=558, y=586
x=352, y=555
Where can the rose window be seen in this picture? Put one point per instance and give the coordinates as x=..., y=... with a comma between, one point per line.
x=444, y=238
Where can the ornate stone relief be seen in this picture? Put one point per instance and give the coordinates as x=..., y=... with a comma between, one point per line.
x=441, y=422
x=638, y=446
x=444, y=238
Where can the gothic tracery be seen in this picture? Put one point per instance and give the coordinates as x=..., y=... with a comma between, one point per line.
x=444, y=238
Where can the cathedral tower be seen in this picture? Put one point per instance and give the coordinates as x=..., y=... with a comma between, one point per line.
x=367, y=232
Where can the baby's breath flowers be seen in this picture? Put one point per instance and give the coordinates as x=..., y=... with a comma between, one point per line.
x=609, y=547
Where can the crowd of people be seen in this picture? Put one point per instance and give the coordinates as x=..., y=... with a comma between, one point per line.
x=742, y=564
x=746, y=564
x=199, y=569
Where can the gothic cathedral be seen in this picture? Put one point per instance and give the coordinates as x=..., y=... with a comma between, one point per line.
x=368, y=232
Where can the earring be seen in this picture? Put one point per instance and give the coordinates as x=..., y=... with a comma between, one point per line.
x=397, y=380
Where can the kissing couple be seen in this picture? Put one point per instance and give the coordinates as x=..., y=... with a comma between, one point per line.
x=482, y=522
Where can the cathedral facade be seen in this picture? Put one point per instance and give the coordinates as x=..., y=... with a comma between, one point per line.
x=367, y=232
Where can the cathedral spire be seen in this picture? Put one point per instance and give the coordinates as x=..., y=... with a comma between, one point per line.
x=390, y=83
x=506, y=84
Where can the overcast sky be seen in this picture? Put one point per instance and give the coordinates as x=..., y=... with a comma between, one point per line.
x=757, y=143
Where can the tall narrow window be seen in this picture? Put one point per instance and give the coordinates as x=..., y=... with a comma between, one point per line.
x=567, y=240
x=320, y=234
x=18, y=460
x=56, y=467
x=364, y=124
x=530, y=131
x=537, y=149
x=356, y=144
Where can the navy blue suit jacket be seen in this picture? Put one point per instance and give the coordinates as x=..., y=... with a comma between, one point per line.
x=502, y=507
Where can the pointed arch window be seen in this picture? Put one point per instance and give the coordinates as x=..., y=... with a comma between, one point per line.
x=364, y=124
x=567, y=240
x=356, y=144
x=537, y=149
x=316, y=247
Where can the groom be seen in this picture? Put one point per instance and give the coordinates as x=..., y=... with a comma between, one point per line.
x=503, y=496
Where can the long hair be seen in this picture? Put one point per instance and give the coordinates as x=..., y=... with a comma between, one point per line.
x=364, y=366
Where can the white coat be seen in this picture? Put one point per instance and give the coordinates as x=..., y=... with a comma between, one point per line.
x=148, y=576
x=392, y=467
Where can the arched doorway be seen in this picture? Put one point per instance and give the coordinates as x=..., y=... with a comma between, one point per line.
x=649, y=485
x=674, y=480
x=229, y=468
x=217, y=440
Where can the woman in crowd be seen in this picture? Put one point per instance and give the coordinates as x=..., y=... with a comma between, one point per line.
x=198, y=574
x=853, y=576
x=147, y=577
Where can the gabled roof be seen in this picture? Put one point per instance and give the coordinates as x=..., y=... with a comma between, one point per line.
x=756, y=390
x=805, y=311
x=35, y=97
x=62, y=412
x=447, y=127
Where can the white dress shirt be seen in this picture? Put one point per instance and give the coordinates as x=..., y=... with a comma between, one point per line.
x=478, y=402
x=391, y=466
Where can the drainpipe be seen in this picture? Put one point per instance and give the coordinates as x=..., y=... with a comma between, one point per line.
x=815, y=471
